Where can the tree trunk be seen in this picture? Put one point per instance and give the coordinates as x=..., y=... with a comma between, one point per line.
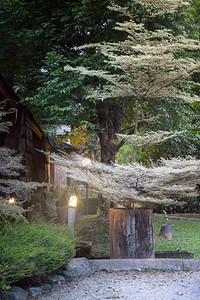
x=131, y=233
x=135, y=129
x=109, y=121
x=108, y=148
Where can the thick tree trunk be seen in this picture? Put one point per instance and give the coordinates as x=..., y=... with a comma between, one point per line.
x=131, y=233
x=108, y=148
x=109, y=122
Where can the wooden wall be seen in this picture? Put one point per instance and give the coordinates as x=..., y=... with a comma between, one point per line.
x=25, y=136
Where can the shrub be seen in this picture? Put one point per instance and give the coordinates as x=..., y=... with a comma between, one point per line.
x=32, y=250
x=190, y=205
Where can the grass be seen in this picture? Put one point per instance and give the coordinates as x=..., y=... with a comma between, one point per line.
x=96, y=229
x=186, y=235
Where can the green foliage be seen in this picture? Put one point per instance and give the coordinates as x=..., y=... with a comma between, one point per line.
x=30, y=30
x=10, y=214
x=31, y=250
x=190, y=205
x=58, y=96
x=124, y=154
x=171, y=115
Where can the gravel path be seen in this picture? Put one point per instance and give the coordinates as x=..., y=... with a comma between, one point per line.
x=131, y=285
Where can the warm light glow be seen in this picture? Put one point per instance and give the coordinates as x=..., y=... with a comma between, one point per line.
x=86, y=162
x=72, y=201
x=11, y=200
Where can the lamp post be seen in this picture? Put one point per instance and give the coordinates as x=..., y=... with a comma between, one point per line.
x=72, y=211
x=86, y=162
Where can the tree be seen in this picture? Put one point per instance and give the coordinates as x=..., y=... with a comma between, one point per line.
x=150, y=65
x=40, y=38
x=131, y=230
x=31, y=30
x=37, y=45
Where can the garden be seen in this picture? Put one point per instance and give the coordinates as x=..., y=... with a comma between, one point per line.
x=185, y=235
x=99, y=133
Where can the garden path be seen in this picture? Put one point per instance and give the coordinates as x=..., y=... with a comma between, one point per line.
x=131, y=285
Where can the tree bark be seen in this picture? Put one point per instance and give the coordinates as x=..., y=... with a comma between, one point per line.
x=108, y=148
x=109, y=120
x=131, y=233
x=135, y=129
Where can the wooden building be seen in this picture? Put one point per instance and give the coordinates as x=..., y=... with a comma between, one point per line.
x=27, y=138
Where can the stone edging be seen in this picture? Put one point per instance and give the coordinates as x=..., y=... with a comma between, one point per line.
x=172, y=264
x=81, y=267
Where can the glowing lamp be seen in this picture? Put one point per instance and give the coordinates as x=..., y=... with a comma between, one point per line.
x=86, y=162
x=11, y=200
x=72, y=211
x=73, y=201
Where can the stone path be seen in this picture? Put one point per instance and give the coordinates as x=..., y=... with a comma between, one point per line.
x=130, y=285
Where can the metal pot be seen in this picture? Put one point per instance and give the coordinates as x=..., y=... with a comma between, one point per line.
x=166, y=231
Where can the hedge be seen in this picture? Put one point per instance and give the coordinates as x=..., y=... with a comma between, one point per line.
x=32, y=250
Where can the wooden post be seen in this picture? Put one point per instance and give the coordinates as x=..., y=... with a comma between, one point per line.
x=131, y=233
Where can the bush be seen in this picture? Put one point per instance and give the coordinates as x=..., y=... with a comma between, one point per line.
x=191, y=205
x=32, y=250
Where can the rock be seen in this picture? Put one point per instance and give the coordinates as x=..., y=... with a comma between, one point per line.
x=46, y=288
x=55, y=279
x=79, y=267
x=35, y=291
x=15, y=293
x=68, y=275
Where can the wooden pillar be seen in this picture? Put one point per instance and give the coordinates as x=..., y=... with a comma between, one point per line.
x=131, y=233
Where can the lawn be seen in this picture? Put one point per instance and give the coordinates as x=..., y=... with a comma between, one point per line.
x=186, y=235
